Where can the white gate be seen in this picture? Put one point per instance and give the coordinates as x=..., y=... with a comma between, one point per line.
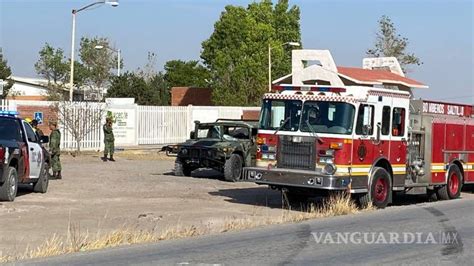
x=162, y=124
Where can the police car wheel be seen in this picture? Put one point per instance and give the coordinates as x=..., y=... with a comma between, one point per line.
x=41, y=186
x=9, y=188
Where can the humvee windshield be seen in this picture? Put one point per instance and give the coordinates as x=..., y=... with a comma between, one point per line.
x=226, y=132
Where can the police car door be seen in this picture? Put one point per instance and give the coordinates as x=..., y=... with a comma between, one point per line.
x=35, y=153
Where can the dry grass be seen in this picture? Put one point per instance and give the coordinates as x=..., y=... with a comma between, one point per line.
x=77, y=241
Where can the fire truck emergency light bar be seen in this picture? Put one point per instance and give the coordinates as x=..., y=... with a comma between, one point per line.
x=281, y=88
x=8, y=113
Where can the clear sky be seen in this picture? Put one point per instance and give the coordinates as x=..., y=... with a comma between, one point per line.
x=440, y=33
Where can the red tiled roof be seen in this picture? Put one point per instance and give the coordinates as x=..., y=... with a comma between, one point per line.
x=377, y=76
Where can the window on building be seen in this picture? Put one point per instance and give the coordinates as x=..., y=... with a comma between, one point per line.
x=398, y=122
x=365, y=111
x=386, y=120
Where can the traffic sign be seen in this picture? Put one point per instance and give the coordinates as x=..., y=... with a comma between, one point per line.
x=39, y=117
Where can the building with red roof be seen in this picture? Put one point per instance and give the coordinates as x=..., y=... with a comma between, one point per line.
x=317, y=67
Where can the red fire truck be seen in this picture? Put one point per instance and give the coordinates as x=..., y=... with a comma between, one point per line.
x=371, y=142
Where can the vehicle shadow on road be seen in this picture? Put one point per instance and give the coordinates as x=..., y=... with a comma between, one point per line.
x=273, y=199
x=24, y=189
x=202, y=173
x=259, y=196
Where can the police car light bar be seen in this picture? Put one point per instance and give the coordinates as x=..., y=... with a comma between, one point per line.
x=281, y=88
x=8, y=113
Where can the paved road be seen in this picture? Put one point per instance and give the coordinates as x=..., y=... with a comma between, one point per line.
x=296, y=243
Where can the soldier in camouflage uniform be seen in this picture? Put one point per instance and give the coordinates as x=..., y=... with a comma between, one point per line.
x=55, y=150
x=108, y=140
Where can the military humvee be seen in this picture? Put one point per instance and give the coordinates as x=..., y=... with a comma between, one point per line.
x=224, y=145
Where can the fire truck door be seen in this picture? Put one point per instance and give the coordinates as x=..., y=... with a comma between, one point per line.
x=381, y=143
x=398, y=147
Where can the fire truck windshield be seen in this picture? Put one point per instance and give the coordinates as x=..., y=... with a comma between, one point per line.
x=281, y=115
x=312, y=116
x=327, y=117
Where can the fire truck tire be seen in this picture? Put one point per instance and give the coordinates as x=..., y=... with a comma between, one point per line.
x=9, y=188
x=431, y=195
x=380, y=190
x=233, y=168
x=181, y=169
x=453, y=187
x=41, y=186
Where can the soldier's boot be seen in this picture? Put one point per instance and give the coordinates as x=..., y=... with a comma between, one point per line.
x=54, y=176
x=59, y=176
x=112, y=158
x=104, y=158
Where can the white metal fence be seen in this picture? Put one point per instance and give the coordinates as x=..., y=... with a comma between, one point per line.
x=6, y=105
x=171, y=124
x=160, y=124
x=154, y=124
x=84, y=120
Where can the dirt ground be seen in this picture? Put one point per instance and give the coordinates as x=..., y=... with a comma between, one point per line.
x=136, y=191
x=133, y=192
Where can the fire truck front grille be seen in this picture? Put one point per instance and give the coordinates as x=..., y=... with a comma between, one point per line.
x=297, y=153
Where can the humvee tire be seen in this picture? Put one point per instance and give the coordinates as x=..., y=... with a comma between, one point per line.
x=181, y=169
x=233, y=168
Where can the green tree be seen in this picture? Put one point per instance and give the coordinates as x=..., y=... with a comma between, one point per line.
x=132, y=85
x=98, y=63
x=162, y=88
x=53, y=66
x=391, y=44
x=5, y=73
x=236, y=52
x=186, y=74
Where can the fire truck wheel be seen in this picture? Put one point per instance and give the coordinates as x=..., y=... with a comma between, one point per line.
x=453, y=187
x=380, y=190
x=181, y=169
x=233, y=168
x=9, y=188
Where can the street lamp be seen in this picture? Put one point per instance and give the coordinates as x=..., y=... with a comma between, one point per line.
x=98, y=47
x=74, y=12
x=295, y=44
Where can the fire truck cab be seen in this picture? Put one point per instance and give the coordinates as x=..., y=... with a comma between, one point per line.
x=365, y=140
